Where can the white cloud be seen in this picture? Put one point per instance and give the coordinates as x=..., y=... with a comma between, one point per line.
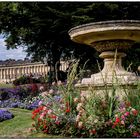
x=12, y=53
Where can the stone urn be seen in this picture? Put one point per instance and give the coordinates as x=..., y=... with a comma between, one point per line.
x=111, y=39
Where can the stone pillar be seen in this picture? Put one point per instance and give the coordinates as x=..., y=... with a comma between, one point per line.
x=0, y=73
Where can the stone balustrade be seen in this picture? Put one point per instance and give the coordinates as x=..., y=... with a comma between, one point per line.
x=10, y=73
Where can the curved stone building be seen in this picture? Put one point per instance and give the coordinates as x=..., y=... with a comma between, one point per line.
x=10, y=72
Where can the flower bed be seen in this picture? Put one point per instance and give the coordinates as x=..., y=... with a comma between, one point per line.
x=19, y=97
x=77, y=114
x=5, y=115
x=64, y=110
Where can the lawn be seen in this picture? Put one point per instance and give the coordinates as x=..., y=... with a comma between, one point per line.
x=19, y=126
x=3, y=85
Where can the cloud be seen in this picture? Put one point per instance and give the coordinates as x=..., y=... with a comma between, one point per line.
x=12, y=53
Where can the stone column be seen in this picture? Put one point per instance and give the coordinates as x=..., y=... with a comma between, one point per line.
x=0, y=73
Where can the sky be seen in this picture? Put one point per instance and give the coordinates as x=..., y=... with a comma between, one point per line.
x=12, y=53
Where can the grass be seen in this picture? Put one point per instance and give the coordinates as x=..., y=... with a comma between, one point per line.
x=4, y=85
x=19, y=126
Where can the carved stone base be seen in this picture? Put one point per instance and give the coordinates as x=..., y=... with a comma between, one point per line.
x=113, y=72
x=121, y=91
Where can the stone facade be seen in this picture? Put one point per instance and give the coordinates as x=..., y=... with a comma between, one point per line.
x=10, y=72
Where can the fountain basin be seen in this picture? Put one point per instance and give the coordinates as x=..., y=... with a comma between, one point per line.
x=106, y=31
x=112, y=39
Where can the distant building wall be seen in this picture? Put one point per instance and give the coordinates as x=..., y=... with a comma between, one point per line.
x=10, y=73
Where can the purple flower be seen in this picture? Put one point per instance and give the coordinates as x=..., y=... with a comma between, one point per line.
x=5, y=115
x=57, y=98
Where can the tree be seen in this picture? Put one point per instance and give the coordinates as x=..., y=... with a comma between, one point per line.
x=43, y=26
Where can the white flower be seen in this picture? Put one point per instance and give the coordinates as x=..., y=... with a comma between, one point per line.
x=51, y=91
x=133, y=109
x=59, y=83
x=53, y=83
x=41, y=88
x=81, y=111
x=82, y=99
x=96, y=120
x=79, y=106
x=76, y=100
x=80, y=125
x=78, y=118
x=43, y=94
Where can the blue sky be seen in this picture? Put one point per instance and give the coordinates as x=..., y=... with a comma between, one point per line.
x=12, y=53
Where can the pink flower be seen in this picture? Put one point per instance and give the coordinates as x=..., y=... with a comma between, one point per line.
x=82, y=94
x=42, y=116
x=127, y=113
x=123, y=117
x=122, y=122
x=135, y=134
x=50, y=111
x=44, y=108
x=40, y=103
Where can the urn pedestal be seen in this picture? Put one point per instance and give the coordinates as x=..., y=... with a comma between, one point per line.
x=111, y=39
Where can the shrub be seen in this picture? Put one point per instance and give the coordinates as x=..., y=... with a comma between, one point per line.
x=28, y=80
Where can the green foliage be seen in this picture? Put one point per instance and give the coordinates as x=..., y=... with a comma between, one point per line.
x=28, y=80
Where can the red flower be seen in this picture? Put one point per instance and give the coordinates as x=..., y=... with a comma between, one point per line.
x=33, y=125
x=45, y=131
x=67, y=104
x=128, y=104
x=34, y=87
x=39, y=120
x=135, y=134
x=67, y=110
x=135, y=112
x=92, y=132
x=57, y=122
x=33, y=117
x=45, y=126
x=117, y=120
x=53, y=116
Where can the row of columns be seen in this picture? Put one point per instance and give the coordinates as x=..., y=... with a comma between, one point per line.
x=10, y=73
